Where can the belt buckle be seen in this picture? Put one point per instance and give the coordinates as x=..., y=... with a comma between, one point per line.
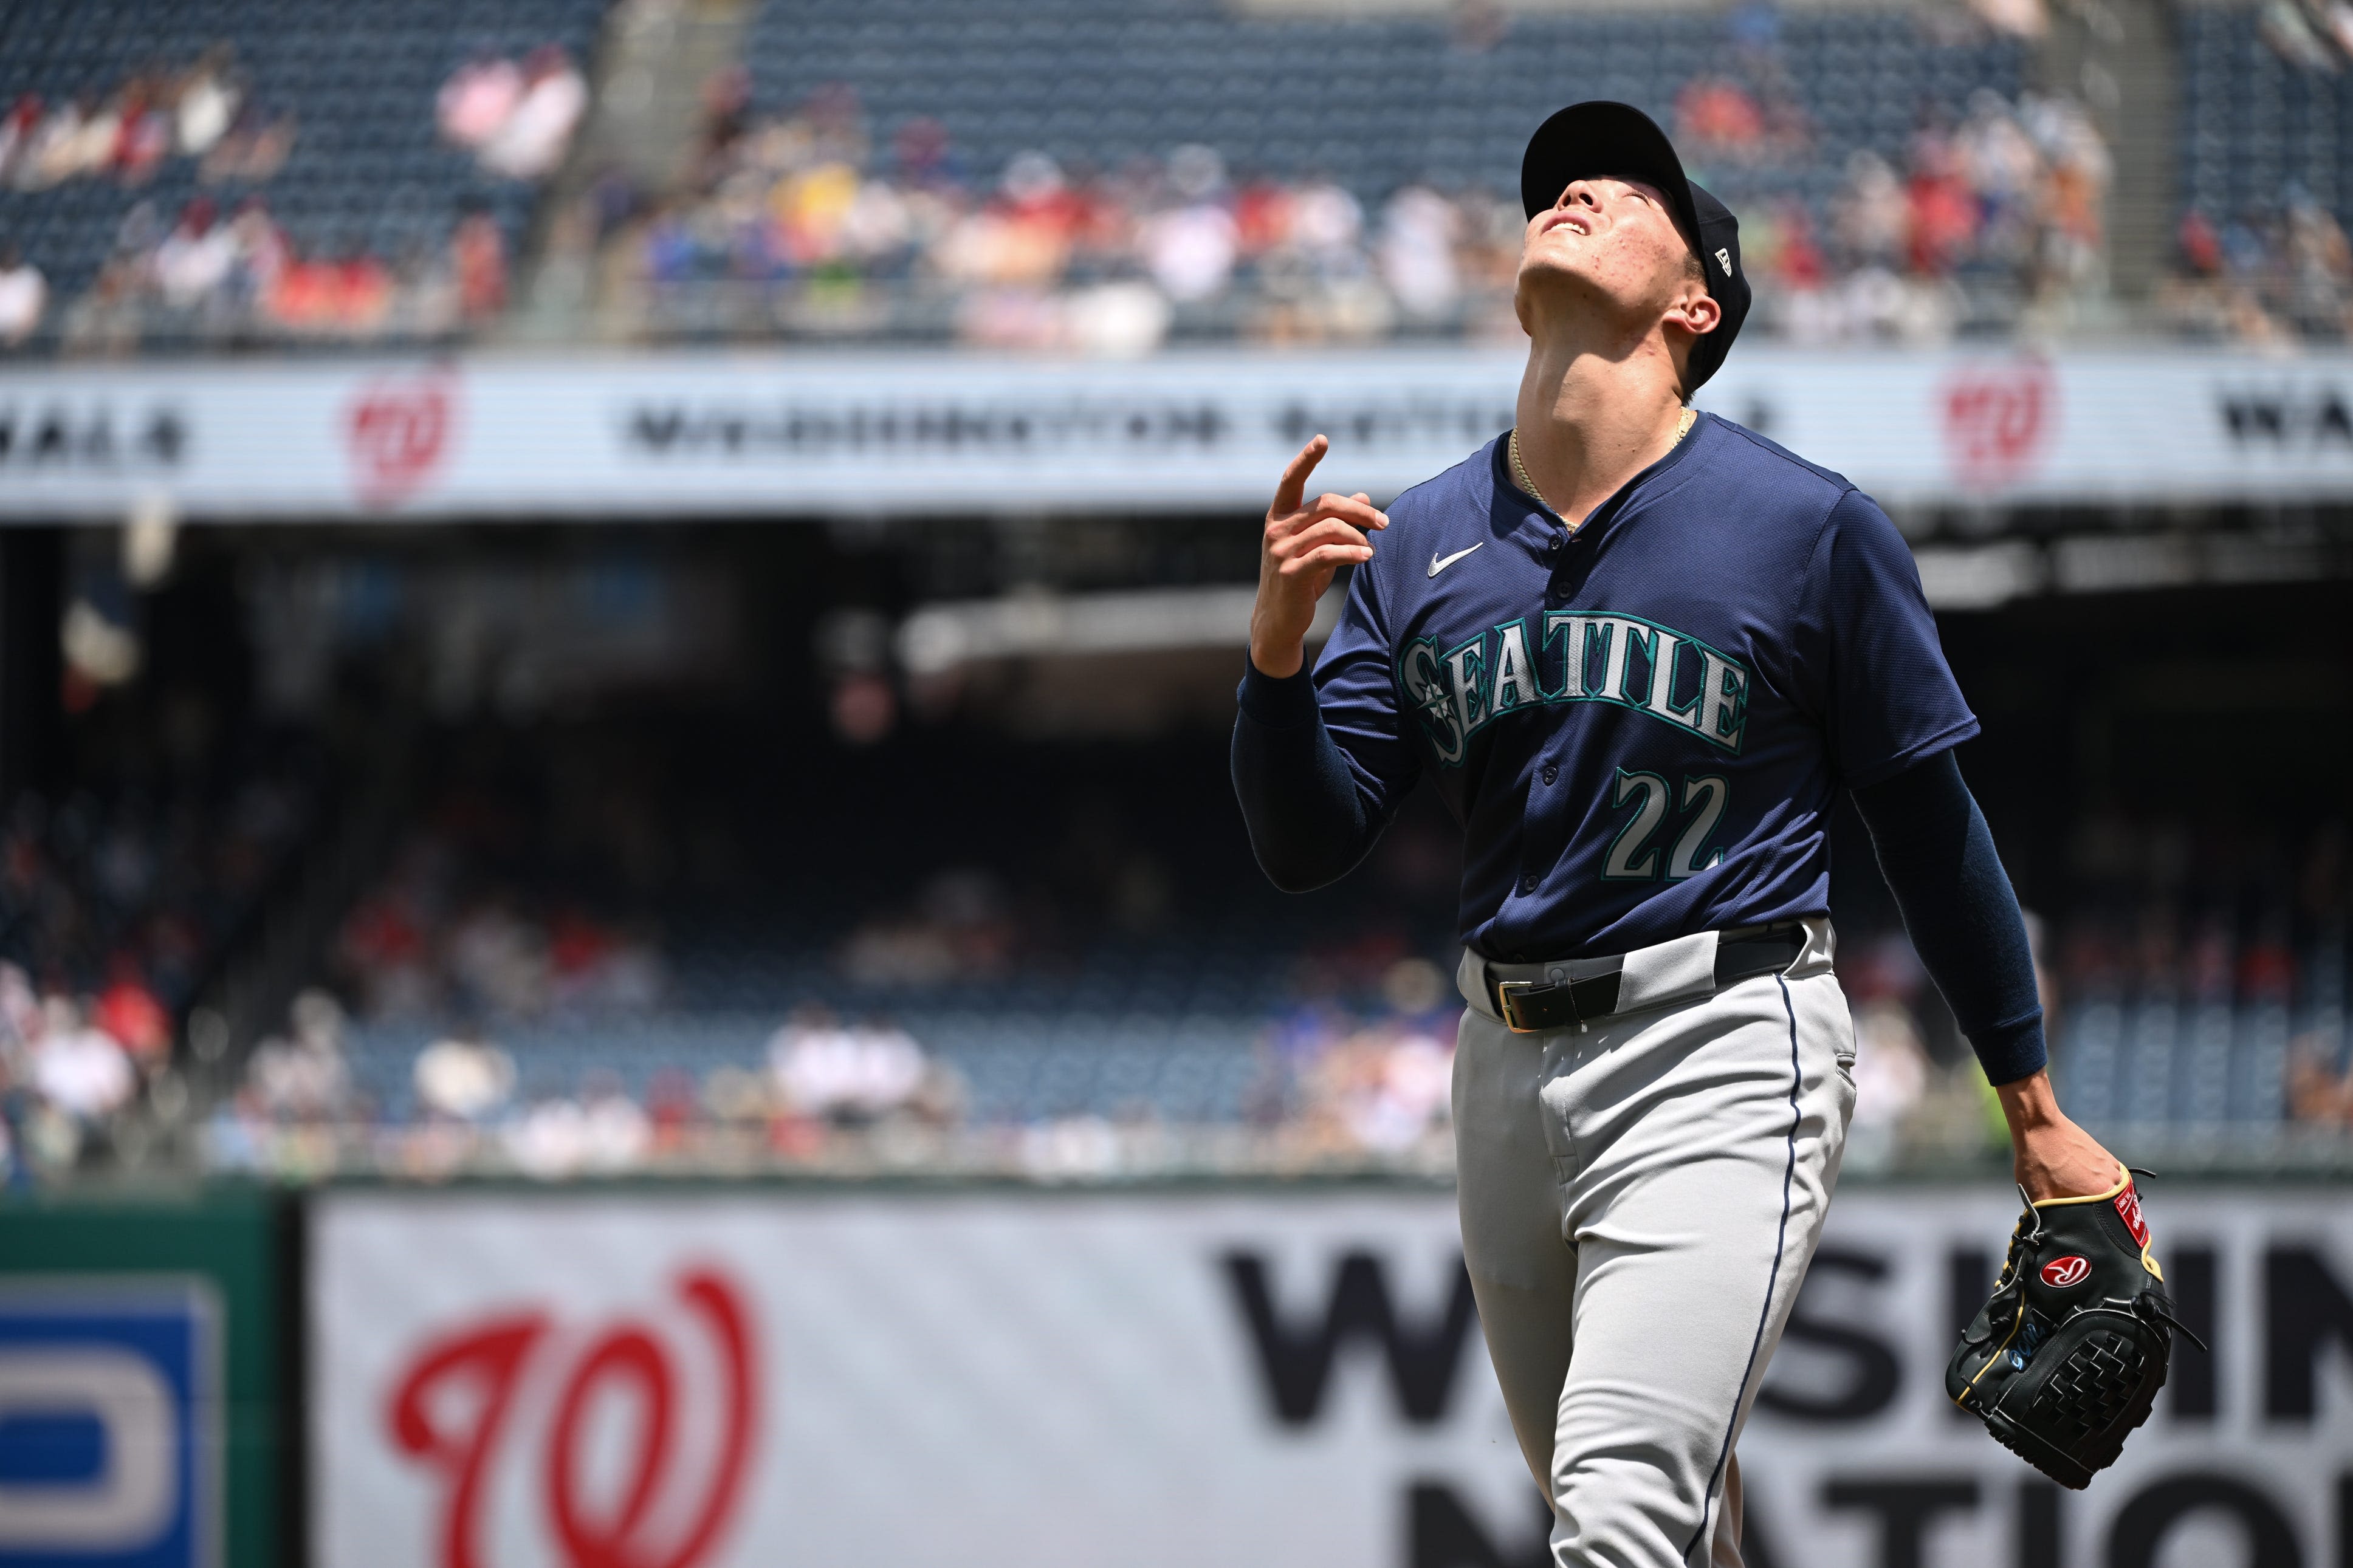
x=1509, y=992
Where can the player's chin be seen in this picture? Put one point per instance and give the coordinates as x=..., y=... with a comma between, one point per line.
x=1557, y=250
x=1551, y=275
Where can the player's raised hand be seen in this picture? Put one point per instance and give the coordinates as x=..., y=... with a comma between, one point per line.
x=1306, y=541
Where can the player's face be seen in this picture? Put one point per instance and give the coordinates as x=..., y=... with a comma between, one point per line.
x=1615, y=241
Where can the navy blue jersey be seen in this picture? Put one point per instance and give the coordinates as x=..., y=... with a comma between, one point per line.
x=1643, y=727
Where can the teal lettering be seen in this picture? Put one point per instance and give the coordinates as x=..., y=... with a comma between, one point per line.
x=1516, y=683
x=1466, y=673
x=1458, y=693
x=1572, y=632
x=1620, y=653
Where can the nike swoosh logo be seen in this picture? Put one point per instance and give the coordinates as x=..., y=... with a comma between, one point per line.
x=1441, y=562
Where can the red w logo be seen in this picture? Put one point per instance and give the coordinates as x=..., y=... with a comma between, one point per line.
x=1999, y=418
x=450, y=1409
x=399, y=432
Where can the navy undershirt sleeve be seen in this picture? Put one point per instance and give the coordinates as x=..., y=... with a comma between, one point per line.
x=1308, y=821
x=1320, y=760
x=1938, y=858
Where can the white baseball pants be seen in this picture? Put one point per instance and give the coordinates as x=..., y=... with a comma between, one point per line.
x=1640, y=1199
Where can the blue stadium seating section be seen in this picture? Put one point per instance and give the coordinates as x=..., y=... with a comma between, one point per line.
x=2158, y=1061
x=1376, y=103
x=1373, y=103
x=1017, y=1068
x=2252, y=125
x=1172, y=1026
x=367, y=172
x=2200, y=1063
x=1180, y=1028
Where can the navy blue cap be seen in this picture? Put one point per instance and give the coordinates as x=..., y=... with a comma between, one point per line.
x=1588, y=141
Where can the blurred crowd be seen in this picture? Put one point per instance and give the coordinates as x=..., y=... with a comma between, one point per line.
x=222, y=268
x=2243, y=911
x=1352, y=1072
x=2246, y=917
x=796, y=220
x=2316, y=36
x=206, y=112
x=2265, y=277
x=24, y=297
x=1337, y=1085
x=72, y=1066
x=300, y=1110
x=452, y=935
x=800, y=224
x=1998, y=219
x=576, y=962
x=143, y=888
x=1350, y=1067
x=826, y=1093
x=228, y=276
x=203, y=112
x=516, y=118
x=112, y=916
x=433, y=941
x=797, y=223
x=2272, y=266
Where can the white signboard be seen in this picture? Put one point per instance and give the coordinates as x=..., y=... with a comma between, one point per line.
x=800, y=435
x=652, y=1381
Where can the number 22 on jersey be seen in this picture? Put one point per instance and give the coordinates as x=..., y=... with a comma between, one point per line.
x=1634, y=854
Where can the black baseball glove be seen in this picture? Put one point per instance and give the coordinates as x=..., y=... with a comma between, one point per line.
x=2067, y=1357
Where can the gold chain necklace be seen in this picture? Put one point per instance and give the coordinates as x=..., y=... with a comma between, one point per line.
x=1520, y=469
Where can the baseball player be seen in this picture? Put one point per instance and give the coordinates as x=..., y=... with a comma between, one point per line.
x=1640, y=650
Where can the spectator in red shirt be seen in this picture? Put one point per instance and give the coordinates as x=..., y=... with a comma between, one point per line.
x=1717, y=115
x=2201, y=247
x=478, y=253
x=129, y=1011
x=1943, y=210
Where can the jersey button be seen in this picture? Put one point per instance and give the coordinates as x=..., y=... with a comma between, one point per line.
x=1528, y=883
x=1551, y=771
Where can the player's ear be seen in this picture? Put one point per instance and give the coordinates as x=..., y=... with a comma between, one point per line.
x=1696, y=312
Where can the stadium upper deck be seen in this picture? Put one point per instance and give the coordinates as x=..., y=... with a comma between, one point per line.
x=219, y=170
x=207, y=173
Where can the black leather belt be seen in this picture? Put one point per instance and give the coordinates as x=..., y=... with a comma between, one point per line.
x=1534, y=1007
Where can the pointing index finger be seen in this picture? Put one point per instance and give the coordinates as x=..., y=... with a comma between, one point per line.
x=1288, y=494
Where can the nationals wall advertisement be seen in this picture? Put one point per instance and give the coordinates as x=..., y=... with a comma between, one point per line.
x=800, y=433
x=649, y=1380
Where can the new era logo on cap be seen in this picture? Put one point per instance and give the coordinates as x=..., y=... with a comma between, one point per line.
x=1723, y=259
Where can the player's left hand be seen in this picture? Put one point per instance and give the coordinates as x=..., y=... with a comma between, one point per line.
x=2066, y=1357
x=2051, y=1156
